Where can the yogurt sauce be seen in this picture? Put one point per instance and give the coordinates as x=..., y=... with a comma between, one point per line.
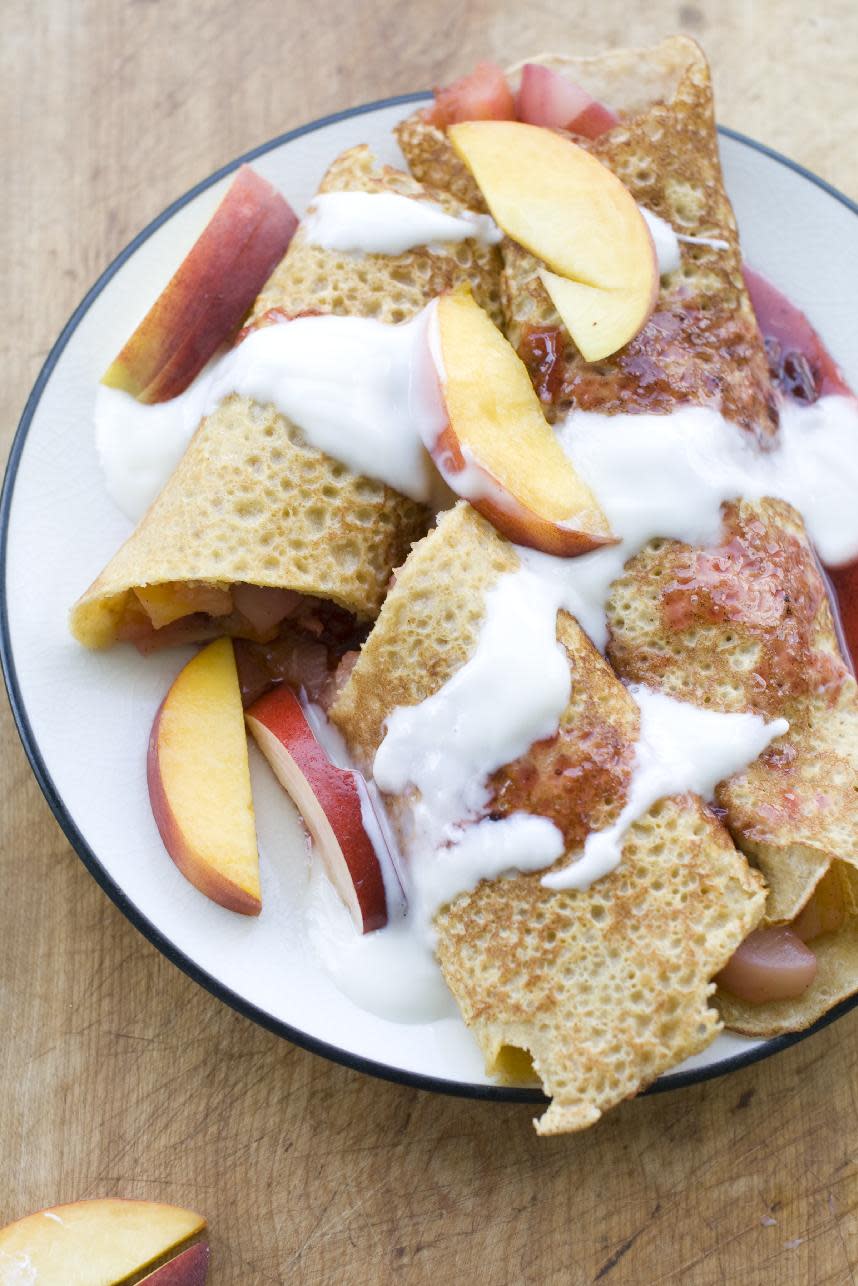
x=361, y=391
x=667, y=241
x=385, y=223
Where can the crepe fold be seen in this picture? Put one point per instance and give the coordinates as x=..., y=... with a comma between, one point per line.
x=596, y=992
x=252, y=501
x=761, y=636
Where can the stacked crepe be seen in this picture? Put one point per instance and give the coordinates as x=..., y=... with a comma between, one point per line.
x=772, y=649
x=598, y=992
x=252, y=502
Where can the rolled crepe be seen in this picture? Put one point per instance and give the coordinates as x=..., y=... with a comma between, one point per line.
x=596, y=992
x=795, y=810
x=702, y=343
x=252, y=501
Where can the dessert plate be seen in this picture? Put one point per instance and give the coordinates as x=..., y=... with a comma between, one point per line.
x=84, y=718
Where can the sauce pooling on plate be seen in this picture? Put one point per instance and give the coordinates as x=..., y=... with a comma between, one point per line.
x=804, y=370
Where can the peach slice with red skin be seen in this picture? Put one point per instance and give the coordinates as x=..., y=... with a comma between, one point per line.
x=199, y=781
x=190, y=1268
x=550, y=99
x=480, y=96
x=329, y=800
x=105, y=1240
x=207, y=298
x=497, y=449
x=570, y=211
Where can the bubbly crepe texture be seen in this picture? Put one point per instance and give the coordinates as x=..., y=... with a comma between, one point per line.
x=251, y=500
x=748, y=627
x=795, y=810
x=603, y=990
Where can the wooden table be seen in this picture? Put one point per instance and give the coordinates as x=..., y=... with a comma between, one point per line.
x=119, y=1075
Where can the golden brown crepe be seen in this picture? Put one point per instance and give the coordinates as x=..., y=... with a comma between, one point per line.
x=747, y=626
x=604, y=989
x=768, y=642
x=251, y=501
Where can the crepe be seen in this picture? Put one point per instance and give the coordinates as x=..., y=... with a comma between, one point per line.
x=251, y=501
x=702, y=343
x=775, y=652
x=599, y=991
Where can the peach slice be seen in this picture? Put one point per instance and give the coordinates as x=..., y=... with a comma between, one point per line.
x=102, y=1241
x=595, y=318
x=199, y=781
x=207, y=298
x=190, y=1268
x=497, y=450
x=329, y=800
x=569, y=210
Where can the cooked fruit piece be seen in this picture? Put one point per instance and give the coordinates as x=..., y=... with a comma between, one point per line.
x=206, y=299
x=190, y=1268
x=484, y=95
x=199, y=781
x=546, y=98
x=771, y=964
x=497, y=449
x=94, y=1243
x=329, y=800
x=569, y=210
x=169, y=602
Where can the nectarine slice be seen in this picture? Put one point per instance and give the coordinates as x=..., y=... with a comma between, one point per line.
x=594, y=317
x=569, y=210
x=498, y=449
x=190, y=1268
x=207, y=298
x=199, y=781
x=101, y=1241
x=329, y=800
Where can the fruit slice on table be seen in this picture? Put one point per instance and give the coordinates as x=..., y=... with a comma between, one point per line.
x=328, y=798
x=207, y=298
x=497, y=449
x=199, y=781
x=96, y=1243
x=484, y=95
x=569, y=210
x=547, y=98
x=190, y=1268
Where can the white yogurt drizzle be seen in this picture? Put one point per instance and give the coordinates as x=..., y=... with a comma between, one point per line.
x=667, y=241
x=386, y=223
x=680, y=748
x=361, y=391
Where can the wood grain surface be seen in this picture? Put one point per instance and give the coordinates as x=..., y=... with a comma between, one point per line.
x=119, y=1075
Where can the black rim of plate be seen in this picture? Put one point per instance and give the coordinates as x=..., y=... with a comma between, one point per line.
x=498, y=1093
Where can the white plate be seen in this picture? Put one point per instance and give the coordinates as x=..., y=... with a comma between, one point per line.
x=84, y=718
